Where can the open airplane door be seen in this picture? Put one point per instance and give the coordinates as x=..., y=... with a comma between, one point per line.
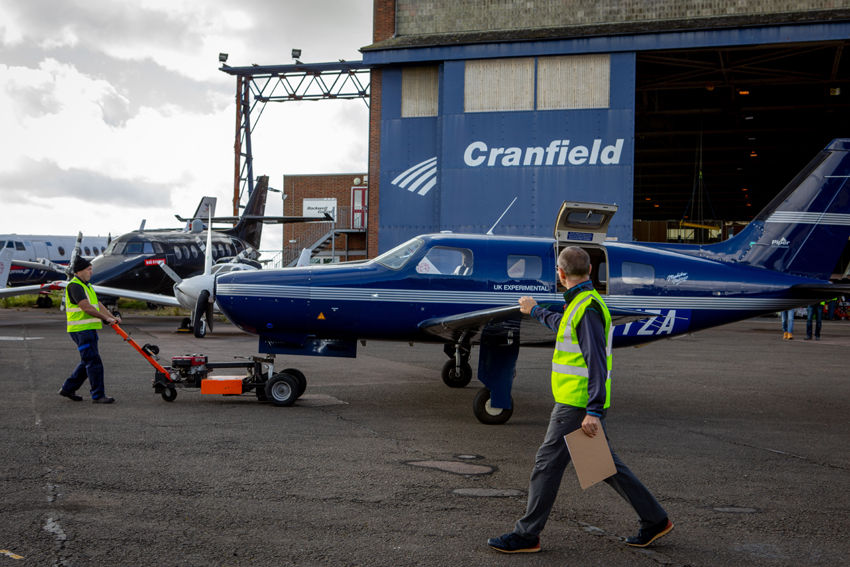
x=586, y=225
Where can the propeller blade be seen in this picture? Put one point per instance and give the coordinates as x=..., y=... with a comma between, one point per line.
x=170, y=273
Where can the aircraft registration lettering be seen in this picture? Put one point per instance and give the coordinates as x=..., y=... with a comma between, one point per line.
x=665, y=322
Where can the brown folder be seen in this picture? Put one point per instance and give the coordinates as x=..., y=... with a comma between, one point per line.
x=591, y=457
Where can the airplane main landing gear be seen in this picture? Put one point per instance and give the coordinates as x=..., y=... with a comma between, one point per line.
x=486, y=413
x=457, y=372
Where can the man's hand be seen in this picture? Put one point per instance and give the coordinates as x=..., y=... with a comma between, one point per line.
x=591, y=425
x=526, y=304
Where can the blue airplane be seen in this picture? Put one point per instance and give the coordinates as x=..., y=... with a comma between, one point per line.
x=462, y=289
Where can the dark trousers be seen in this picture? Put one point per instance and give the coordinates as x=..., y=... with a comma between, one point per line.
x=814, y=312
x=90, y=366
x=549, y=465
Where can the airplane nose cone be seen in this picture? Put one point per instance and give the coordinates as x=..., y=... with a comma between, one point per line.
x=263, y=302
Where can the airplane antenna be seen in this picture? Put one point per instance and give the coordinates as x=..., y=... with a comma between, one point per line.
x=490, y=232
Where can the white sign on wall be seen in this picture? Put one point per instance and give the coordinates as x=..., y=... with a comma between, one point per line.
x=318, y=207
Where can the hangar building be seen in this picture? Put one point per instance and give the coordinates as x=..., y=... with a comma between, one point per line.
x=672, y=109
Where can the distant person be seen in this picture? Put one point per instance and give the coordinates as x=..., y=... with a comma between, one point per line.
x=788, y=324
x=814, y=312
x=85, y=316
x=581, y=386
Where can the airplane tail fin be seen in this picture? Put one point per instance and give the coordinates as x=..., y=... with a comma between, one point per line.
x=805, y=228
x=251, y=229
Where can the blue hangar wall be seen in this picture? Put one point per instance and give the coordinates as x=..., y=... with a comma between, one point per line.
x=459, y=170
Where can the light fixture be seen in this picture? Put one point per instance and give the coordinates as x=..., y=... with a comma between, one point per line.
x=222, y=57
x=743, y=92
x=754, y=154
x=835, y=91
x=296, y=53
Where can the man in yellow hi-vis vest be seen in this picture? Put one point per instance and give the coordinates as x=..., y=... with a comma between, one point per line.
x=581, y=385
x=84, y=315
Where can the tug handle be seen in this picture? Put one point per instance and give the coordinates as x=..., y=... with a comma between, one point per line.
x=136, y=346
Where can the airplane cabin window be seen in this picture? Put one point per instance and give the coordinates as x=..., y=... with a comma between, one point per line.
x=177, y=253
x=87, y=250
x=446, y=261
x=61, y=251
x=525, y=267
x=640, y=274
x=398, y=256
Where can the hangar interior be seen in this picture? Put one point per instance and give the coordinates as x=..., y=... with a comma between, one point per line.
x=719, y=132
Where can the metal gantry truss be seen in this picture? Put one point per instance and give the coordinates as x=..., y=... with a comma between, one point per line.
x=259, y=84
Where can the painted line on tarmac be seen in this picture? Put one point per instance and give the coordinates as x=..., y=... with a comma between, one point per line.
x=8, y=553
x=6, y=338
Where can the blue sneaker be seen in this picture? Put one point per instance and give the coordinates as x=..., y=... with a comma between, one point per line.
x=515, y=543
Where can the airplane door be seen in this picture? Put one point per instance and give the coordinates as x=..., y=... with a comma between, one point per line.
x=586, y=225
x=358, y=207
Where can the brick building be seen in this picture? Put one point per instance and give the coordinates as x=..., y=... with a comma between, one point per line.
x=342, y=195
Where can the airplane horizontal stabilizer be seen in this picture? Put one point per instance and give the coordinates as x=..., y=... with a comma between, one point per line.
x=826, y=291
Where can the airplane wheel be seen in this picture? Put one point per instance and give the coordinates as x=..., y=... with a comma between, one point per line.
x=302, y=380
x=486, y=413
x=199, y=328
x=282, y=389
x=43, y=301
x=169, y=394
x=455, y=377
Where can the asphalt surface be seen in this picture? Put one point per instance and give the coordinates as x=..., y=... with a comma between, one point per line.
x=741, y=436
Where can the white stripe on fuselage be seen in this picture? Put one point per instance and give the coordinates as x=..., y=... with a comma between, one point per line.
x=495, y=298
x=798, y=217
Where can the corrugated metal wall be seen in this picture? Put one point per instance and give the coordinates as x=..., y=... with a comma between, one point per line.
x=494, y=85
x=571, y=82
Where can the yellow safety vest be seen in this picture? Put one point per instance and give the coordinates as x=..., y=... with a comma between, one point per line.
x=79, y=320
x=569, y=368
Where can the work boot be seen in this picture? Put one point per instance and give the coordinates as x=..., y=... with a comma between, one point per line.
x=71, y=396
x=515, y=543
x=785, y=336
x=646, y=536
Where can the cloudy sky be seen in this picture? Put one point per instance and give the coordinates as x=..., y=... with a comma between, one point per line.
x=115, y=111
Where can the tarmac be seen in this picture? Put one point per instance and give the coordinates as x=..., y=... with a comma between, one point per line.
x=741, y=436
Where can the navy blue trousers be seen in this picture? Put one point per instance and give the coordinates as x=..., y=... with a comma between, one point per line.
x=551, y=462
x=90, y=366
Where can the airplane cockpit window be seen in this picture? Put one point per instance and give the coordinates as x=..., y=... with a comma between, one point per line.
x=640, y=274
x=134, y=247
x=446, y=261
x=525, y=267
x=398, y=256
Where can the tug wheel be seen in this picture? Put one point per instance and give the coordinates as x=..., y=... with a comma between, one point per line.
x=302, y=380
x=169, y=394
x=282, y=389
x=454, y=376
x=486, y=413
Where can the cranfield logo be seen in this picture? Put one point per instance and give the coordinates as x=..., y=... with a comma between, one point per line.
x=422, y=177
x=781, y=243
x=558, y=152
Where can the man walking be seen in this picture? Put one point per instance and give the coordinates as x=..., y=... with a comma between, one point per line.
x=85, y=316
x=581, y=386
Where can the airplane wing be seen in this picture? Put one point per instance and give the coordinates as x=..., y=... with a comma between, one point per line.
x=501, y=324
x=31, y=289
x=157, y=298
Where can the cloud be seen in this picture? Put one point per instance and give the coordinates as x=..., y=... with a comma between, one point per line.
x=39, y=181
